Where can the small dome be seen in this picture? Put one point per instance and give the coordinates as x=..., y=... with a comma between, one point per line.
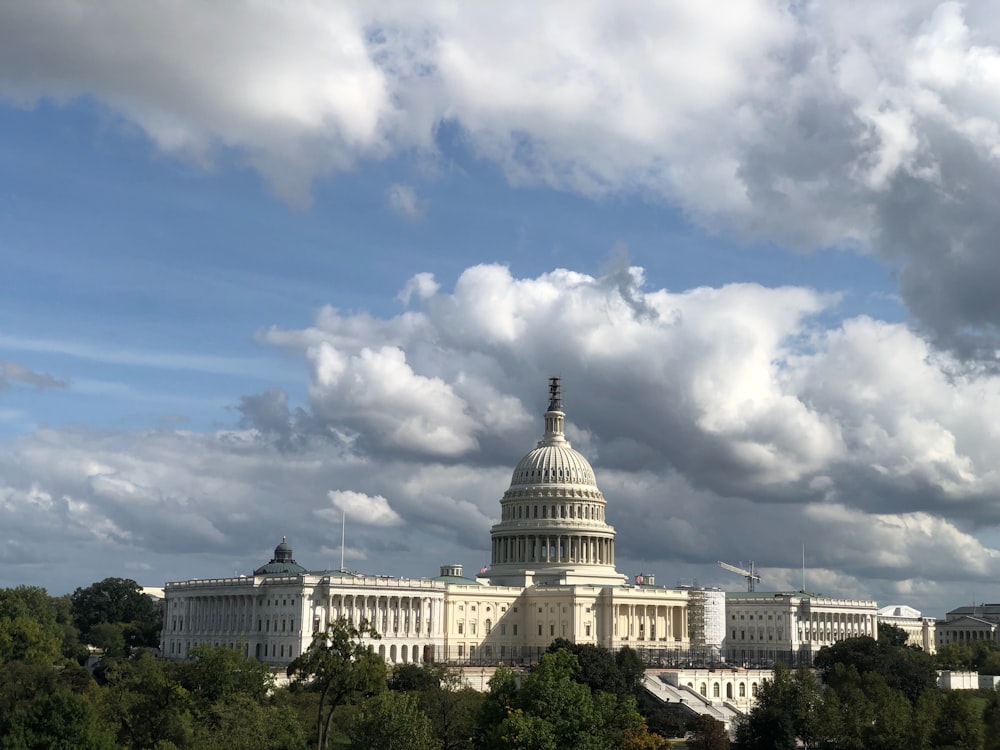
x=281, y=563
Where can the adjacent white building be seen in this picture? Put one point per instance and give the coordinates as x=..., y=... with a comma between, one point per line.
x=919, y=629
x=763, y=628
x=552, y=575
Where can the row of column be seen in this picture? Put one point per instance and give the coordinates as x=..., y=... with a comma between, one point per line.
x=216, y=614
x=389, y=615
x=529, y=510
x=649, y=622
x=836, y=626
x=553, y=548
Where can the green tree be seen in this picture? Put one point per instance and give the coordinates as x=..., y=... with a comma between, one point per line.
x=552, y=708
x=924, y=720
x=341, y=668
x=28, y=628
x=41, y=707
x=960, y=723
x=954, y=656
x=146, y=704
x=991, y=721
x=415, y=677
x=452, y=708
x=118, y=600
x=217, y=673
x=109, y=636
x=631, y=668
x=239, y=722
x=598, y=668
x=708, y=734
x=892, y=635
x=392, y=721
x=904, y=668
x=787, y=710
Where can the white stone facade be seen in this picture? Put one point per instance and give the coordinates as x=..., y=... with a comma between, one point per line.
x=764, y=628
x=920, y=630
x=273, y=617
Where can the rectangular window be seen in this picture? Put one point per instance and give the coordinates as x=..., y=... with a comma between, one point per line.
x=461, y=628
x=587, y=627
x=472, y=628
x=552, y=629
x=515, y=630
x=503, y=629
x=539, y=628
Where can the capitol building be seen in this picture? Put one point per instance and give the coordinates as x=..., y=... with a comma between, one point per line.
x=552, y=575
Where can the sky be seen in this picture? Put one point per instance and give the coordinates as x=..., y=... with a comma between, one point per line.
x=263, y=264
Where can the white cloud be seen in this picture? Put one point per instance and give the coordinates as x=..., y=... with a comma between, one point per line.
x=362, y=508
x=872, y=125
x=404, y=202
x=419, y=287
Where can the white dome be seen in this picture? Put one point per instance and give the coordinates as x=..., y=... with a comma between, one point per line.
x=553, y=464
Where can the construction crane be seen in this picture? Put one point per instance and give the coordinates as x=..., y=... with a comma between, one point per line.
x=750, y=575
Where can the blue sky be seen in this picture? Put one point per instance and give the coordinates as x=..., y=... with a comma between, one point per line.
x=327, y=258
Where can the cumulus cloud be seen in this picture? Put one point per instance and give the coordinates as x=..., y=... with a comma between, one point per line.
x=729, y=423
x=866, y=125
x=362, y=508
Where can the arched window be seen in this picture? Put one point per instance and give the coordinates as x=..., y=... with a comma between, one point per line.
x=715, y=690
x=753, y=689
x=703, y=689
x=743, y=690
x=729, y=691
x=489, y=626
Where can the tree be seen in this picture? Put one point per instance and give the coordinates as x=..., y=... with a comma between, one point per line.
x=146, y=704
x=708, y=734
x=598, y=668
x=631, y=668
x=788, y=709
x=341, y=668
x=118, y=600
x=892, y=635
x=217, y=673
x=553, y=709
x=954, y=656
x=991, y=722
x=960, y=724
x=241, y=723
x=452, y=708
x=28, y=628
x=41, y=707
x=904, y=668
x=392, y=721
